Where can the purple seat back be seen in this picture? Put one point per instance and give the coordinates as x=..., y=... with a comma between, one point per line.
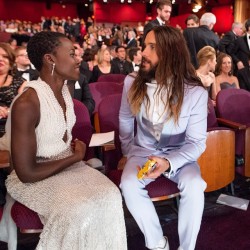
x=108, y=113
x=211, y=116
x=101, y=89
x=234, y=105
x=118, y=78
x=83, y=128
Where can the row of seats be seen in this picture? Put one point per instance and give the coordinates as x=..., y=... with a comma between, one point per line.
x=217, y=162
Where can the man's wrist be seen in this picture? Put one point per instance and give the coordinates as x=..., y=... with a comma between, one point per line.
x=166, y=173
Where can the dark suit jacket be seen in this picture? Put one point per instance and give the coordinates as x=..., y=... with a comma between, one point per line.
x=199, y=37
x=149, y=26
x=241, y=51
x=34, y=74
x=244, y=78
x=227, y=42
x=82, y=94
x=127, y=67
x=132, y=43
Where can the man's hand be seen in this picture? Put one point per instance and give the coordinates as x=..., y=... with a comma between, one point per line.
x=162, y=165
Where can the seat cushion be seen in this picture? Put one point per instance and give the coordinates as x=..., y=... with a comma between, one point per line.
x=24, y=217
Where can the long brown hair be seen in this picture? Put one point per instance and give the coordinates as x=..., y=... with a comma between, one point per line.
x=173, y=70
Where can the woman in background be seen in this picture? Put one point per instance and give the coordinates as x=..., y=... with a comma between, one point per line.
x=207, y=61
x=103, y=66
x=224, y=73
x=10, y=85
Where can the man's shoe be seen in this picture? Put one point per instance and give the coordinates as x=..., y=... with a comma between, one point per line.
x=165, y=247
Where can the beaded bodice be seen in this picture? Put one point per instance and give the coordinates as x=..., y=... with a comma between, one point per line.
x=53, y=124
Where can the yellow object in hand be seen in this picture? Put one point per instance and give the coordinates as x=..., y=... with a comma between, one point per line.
x=147, y=167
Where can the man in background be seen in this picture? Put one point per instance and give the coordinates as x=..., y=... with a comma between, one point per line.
x=23, y=65
x=164, y=9
x=199, y=37
x=192, y=21
x=135, y=57
x=227, y=41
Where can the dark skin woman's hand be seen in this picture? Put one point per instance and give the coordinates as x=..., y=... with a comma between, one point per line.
x=79, y=149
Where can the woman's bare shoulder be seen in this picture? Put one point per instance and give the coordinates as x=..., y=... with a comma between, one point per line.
x=28, y=100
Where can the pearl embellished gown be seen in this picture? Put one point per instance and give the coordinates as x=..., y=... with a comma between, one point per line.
x=79, y=207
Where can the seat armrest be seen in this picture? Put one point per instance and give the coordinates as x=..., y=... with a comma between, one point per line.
x=231, y=124
x=108, y=147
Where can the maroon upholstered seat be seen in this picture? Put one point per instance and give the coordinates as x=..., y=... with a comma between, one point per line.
x=102, y=89
x=26, y=219
x=118, y=78
x=234, y=106
x=108, y=113
x=83, y=128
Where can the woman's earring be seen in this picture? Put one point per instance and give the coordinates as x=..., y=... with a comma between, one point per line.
x=53, y=68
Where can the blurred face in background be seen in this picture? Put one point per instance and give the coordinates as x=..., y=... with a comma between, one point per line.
x=191, y=23
x=106, y=56
x=226, y=65
x=4, y=62
x=164, y=13
x=22, y=59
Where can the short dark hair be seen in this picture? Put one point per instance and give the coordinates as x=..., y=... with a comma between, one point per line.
x=119, y=47
x=42, y=43
x=247, y=24
x=192, y=17
x=161, y=3
x=132, y=52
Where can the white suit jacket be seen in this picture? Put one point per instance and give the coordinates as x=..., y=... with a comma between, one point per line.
x=180, y=143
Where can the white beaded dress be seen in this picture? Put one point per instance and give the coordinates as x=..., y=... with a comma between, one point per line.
x=79, y=207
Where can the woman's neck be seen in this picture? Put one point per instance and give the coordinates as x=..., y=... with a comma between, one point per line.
x=3, y=79
x=105, y=64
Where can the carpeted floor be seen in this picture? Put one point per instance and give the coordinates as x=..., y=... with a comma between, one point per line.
x=222, y=228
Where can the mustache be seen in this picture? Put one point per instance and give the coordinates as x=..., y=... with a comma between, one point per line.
x=144, y=59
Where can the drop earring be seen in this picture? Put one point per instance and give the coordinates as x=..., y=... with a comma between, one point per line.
x=53, y=68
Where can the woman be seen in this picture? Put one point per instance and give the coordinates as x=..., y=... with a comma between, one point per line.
x=224, y=74
x=79, y=207
x=10, y=85
x=207, y=61
x=104, y=65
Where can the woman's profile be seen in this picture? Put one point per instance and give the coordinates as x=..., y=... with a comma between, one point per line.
x=79, y=207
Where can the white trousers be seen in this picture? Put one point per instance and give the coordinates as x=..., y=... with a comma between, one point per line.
x=191, y=207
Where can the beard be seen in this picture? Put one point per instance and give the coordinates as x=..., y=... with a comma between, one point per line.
x=147, y=74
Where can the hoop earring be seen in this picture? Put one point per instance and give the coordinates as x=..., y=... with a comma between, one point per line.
x=53, y=68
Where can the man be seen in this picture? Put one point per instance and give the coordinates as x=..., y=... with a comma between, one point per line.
x=120, y=64
x=192, y=21
x=164, y=9
x=135, y=57
x=169, y=104
x=80, y=89
x=244, y=77
x=227, y=42
x=241, y=49
x=23, y=65
x=131, y=39
x=199, y=37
